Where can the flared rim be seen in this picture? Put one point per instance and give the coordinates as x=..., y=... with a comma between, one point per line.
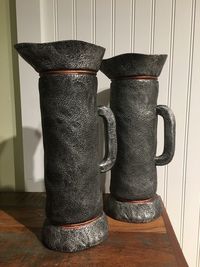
x=133, y=64
x=61, y=55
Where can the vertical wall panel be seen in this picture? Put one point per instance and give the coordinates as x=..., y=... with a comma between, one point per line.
x=103, y=36
x=65, y=19
x=192, y=197
x=7, y=102
x=84, y=20
x=29, y=30
x=162, y=42
x=144, y=26
x=47, y=20
x=103, y=26
x=122, y=26
x=176, y=180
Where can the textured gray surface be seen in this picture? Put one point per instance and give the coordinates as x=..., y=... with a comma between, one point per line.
x=134, y=104
x=111, y=138
x=132, y=65
x=70, y=143
x=69, y=124
x=169, y=135
x=70, y=135
x=133, y=212
x=61, y=55
x=72, y=240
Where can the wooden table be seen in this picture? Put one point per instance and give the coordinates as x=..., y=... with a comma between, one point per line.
x=145, y=245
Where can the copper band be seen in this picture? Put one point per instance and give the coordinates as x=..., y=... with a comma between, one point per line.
x=79, y=225
x=66, y=72
x=138, y=77
x=143, y=201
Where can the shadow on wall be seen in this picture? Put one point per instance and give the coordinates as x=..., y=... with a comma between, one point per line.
x=103, y=99
x=8, y=179
x=30, y=212
x=31, y=140
x=34, y=177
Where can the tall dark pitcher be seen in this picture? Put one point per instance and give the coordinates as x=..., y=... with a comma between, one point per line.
x=134, y=92
x=68, y=89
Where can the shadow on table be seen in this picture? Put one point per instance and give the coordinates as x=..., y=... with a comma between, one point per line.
x=27, y=209
x=31, y=206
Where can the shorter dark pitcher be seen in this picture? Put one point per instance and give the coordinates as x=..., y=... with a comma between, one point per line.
x=68, y=90
x=134, y=92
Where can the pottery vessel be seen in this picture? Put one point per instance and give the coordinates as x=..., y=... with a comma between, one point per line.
x=134, y=92
x=68, y=91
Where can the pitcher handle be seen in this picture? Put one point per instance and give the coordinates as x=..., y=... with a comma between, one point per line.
x=111, y=138
x=169, y=135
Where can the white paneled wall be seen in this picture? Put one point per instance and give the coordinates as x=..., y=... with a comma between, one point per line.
x=144, y=26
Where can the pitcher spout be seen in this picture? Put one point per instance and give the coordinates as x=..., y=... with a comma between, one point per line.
x=62, y=55
x=132, y=64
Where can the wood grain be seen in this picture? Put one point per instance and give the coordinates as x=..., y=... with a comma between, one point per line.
x=152, y=244
x=156, y=226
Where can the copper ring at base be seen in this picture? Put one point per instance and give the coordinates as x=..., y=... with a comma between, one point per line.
x=79, y=225
x=135, y=211
x=142, y=201
x=67, y=72
x=75, y=239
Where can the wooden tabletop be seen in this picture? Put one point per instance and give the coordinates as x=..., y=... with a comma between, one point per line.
x=136, y=245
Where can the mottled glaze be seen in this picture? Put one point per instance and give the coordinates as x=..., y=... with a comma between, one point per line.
x=132, y=64
x=75, y=239
x=133, y=100
x=62, y=55
x=69, y=116
x=137, y=212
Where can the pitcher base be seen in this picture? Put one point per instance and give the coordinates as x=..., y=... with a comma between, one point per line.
x=75, y=237
x=133, y=211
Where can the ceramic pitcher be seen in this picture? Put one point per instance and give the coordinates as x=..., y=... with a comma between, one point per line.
x=134, y=92
x=69, y=114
